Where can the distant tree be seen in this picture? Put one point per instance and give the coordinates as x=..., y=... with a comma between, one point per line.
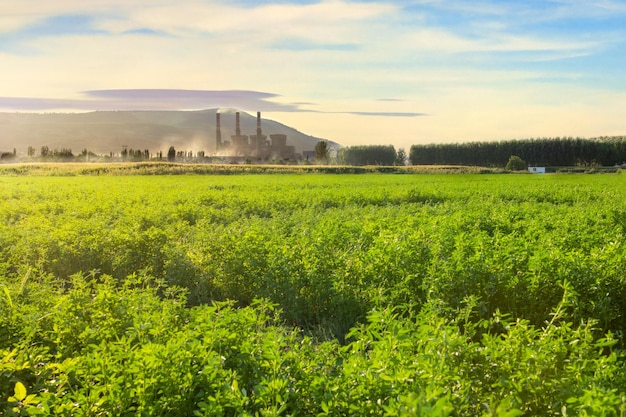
x=137, y=155
x=44, y=152
x=401, y=157
x=540, y=151
x=7, y=156
x=321, y=151
x=368, y=155
x=516, y=164
x=87, y=155
x=171, y=154
x=63, y=154
x=31, y=151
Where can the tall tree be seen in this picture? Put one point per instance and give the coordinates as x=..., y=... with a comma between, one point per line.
x=171, y=154
x=321, y=151
x=401, y=157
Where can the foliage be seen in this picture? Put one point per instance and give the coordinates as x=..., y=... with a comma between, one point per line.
x=171, y=154
x=321, y=151
x=313, y=295
x=607, y=151
x=516, y=163
x=401, y=157
x=368, y=155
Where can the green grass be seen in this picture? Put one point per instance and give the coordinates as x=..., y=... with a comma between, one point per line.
x=353, y=294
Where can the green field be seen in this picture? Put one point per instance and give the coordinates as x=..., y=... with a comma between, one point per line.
x=312, y=294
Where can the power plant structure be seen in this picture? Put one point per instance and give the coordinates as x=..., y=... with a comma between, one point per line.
x=253, y=146
x=218, y=133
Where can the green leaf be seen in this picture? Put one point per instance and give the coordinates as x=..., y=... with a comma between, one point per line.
x=20, y=391
x=8, y=295
x=31, y=399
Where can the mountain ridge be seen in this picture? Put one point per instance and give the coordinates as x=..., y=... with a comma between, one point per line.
x=104, y=132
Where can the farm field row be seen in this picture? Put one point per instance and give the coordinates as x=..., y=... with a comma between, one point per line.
x=317, y=294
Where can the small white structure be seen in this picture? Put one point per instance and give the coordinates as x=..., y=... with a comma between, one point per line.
x=537, y=170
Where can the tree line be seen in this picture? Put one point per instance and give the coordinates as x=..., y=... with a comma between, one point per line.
x=47, y=154
x=554, y=152
x=606, y=151
x=371, y=155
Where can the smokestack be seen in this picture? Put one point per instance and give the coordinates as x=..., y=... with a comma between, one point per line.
x=218, y=132
x=237, y=128
x=258, y=133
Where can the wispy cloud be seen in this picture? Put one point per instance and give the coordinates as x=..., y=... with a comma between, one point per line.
x=172, y=99
x=151, y=99
x=300, y=45
x=145, y=31
x=21, y=40
x=384, y=114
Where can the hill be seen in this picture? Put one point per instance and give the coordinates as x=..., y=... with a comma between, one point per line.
x=103, y=132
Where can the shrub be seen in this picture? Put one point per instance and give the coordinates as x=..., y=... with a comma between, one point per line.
x=516, y=163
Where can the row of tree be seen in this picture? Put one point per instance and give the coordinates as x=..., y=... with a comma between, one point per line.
x=47, y=154
x=126, y=155
x=371, y=155
x=607, y=151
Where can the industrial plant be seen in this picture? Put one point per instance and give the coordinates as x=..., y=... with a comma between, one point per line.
x=253, y=146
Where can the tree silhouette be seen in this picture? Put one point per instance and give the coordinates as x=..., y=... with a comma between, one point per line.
x=401, y=157
x=369, y=155
x=321, y=151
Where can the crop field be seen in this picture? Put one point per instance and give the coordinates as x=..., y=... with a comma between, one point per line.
x=313, y=295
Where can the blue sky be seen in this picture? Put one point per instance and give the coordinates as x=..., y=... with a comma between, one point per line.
x=356, y=72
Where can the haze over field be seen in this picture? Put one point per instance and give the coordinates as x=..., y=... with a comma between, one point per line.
x=354, y=72
x=103, y=132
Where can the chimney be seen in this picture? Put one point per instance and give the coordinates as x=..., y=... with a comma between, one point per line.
x=258, y=133
x=218, y=132
x=237, y=128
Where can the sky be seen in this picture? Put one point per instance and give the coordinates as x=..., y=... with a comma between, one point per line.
x=356, y=72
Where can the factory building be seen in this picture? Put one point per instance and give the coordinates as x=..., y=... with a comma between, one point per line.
x=255, y=145
x=279, y=146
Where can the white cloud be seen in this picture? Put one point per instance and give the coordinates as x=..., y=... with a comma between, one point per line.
x=528, y=11
x=446, y=41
